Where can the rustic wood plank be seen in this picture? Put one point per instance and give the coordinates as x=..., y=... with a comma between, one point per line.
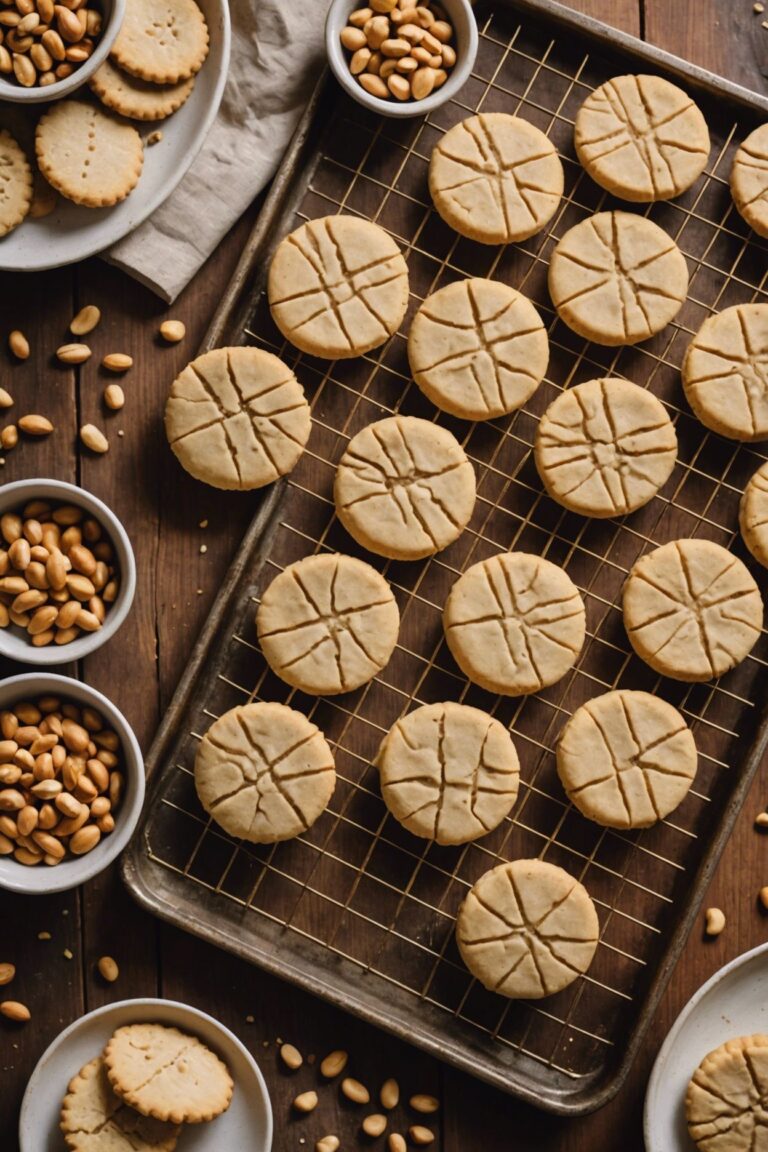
x=623, y=14
x=726, y=38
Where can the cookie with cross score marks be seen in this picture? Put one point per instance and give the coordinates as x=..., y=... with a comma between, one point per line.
x=725, y=372
x=749, y=180
x=725, y=1101
x=753, y=515
x=95, y=1119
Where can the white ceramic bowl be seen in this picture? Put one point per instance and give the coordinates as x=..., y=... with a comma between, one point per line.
x=462, y=18
x=13, y=642
x=113, y=12
x=74, y=870
x=247, y=1123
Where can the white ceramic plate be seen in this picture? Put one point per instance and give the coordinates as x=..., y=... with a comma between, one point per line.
x=247, y=1124
x=733, y=1002
x=72, y=233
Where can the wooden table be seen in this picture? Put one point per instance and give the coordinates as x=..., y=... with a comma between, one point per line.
x=162, y=510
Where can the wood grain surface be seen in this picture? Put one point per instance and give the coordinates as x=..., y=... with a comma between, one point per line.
x=162, y=510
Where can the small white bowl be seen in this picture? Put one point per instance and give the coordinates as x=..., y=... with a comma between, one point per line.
x=112, y=12
x=460, y=14
x=41, y=880
x=13, y=642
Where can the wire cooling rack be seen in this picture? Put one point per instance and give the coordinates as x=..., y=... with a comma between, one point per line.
x=357, y=908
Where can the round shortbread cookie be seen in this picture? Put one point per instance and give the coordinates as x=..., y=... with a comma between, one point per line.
x=94, y=1119
x=87, y=155
x=749, y=180
x=725, y=372
x=237, y=418
x=495, y=178
x=515, y=623
x=753, y=515
x=692, y=610
x=725, y=1101
x=167, y=1074
x=626, y=759
x=478, y=349
x=527, y=929
x=15, y=184
x=138, y=99
x=338, y=287
x=264, y=772
x=328, y=624
x=162, y=41
x=449, y=772
x=605, y=447
x=404, y=488
x=617, y=278
x=641, y=138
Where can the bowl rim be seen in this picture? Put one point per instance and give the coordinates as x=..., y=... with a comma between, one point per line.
x=106, y=850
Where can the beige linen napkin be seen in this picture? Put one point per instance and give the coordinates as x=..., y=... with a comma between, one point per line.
x=277, y=54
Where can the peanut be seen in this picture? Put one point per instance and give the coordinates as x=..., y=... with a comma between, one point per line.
x=114, y=397
x=714, y=919
x=117, y=362
x=305, y=1102
x=333, y=1064
x=85, y=321
x=73, y=353
x=13, y=1010
x=7, y=973
x=173, y=331
x=291, y=1057
x=424, y=1104
x=19, y=345
x=390, y=1094
x=94, y=439
x=396, y=1143
x=108, y=969
x=35, y=425
x=374, y=1125
x=328, y=1144
x=420, y=1135
x=355, y=1091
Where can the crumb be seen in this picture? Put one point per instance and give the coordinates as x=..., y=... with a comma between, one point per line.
x=199, y=591
x=203, y=549
x=764, y=24
x=265, y=1043
x=67, y=954
x=250, y=1020
x=758, y=8
x=65, y=911
x=120, y=432
x=203, y=524
x=311, y=1058
x=154, y=137
x=44, y=936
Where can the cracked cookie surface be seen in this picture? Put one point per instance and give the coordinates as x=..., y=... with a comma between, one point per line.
x=237, y=418
x=527, y=929
x=753, y=515
x=478, y=349
x=626, y=759
x=404, y=488
x=328, y=624
x=95, y=1119
x=641, y=138
x=88, y=155
x=449, y=773
x=725, y=372
x=515, y=623
x=264, y=772
x=16, y=184
x=692, y=610
x=605, y=447
x=338, y=287
x=617, y=278
x=725, y=1104
x=749, y=180
x=495, y=178
x=163, y=41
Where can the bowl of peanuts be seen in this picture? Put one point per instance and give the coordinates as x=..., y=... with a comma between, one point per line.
x=401, y=58
x=67, y=572
x=50, y=48
x=71, y=783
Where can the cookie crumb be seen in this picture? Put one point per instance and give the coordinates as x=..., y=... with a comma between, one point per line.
x=203, y=549
x=203, y=524
x=67, y=954
x=44, y=936
x=154, y=137
x=250, y=1020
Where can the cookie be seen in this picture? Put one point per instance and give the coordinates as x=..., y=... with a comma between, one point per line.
x=749, y=180
x=449, y=773
x=15, y=184
x=237, y=418
x=605, y=447
x=753, y=515
x=626, y=759
x=617, y=278
x=264, y=772
x=692, y=610
x=328, y=624
x=167, y=1074
x=87, y=155
x=135, y=98
x=338, y=287
x=163, y=41
x=515, y=623
x=94, y=1119
x=478, y=349
x=725, y=372
x=725, y=1100
x=527, y=929
x=404, y=488
x=641, y=138
x=495, y=178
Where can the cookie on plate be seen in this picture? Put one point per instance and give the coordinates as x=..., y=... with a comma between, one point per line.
x=753, y=515
x=94, y=1119
x=527, y=929
x=88, y=155
x=478, y=349
x=749, y=180
x=163, y=41
x=449, y=773
x=135, y=98
x=725, y=1101
x=15, y=185
x=725, y=372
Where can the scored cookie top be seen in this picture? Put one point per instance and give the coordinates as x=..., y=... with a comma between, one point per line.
x=692, y=610
x=15, y=183
x=725, y=372
x=495, y=178
x=478, y=349
x=138, y=99
x=641, y=138
x=605, y=447
x=87, y=154
x=753, y=515
x=338, y=287
x=617, y=278
x=527, y=929
x=725, y=1100
x=94, y=1119
x=749, y=180
x=448, y=772
x=163, y=41
x=626, y=759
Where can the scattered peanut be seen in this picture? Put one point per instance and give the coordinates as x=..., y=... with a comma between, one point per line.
x=35, y=425
x=334, y=1063
x=374, y=1125
x=108, y=969
x=399, y=49
x=94, y=439
x=9, y=437
x=73, y=353
x=155, y=137
x=19, y=345
x=715, y=921
x=761, y=820
x=352, y=1089
x=328, y=1144
x=117, y=362
x=291, y=1057
x=305, y=1102
x=172, y=331
x=764, y=897
x=390, y=1094
x=424, y=1104
x=13, y=1010
x=6, y=400
x=114, y=397
x=7, y=973
x=85, y=321
x=396, y=1142
x=421, y=1135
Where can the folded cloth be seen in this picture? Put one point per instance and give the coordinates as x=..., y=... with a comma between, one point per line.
x=277, y=55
